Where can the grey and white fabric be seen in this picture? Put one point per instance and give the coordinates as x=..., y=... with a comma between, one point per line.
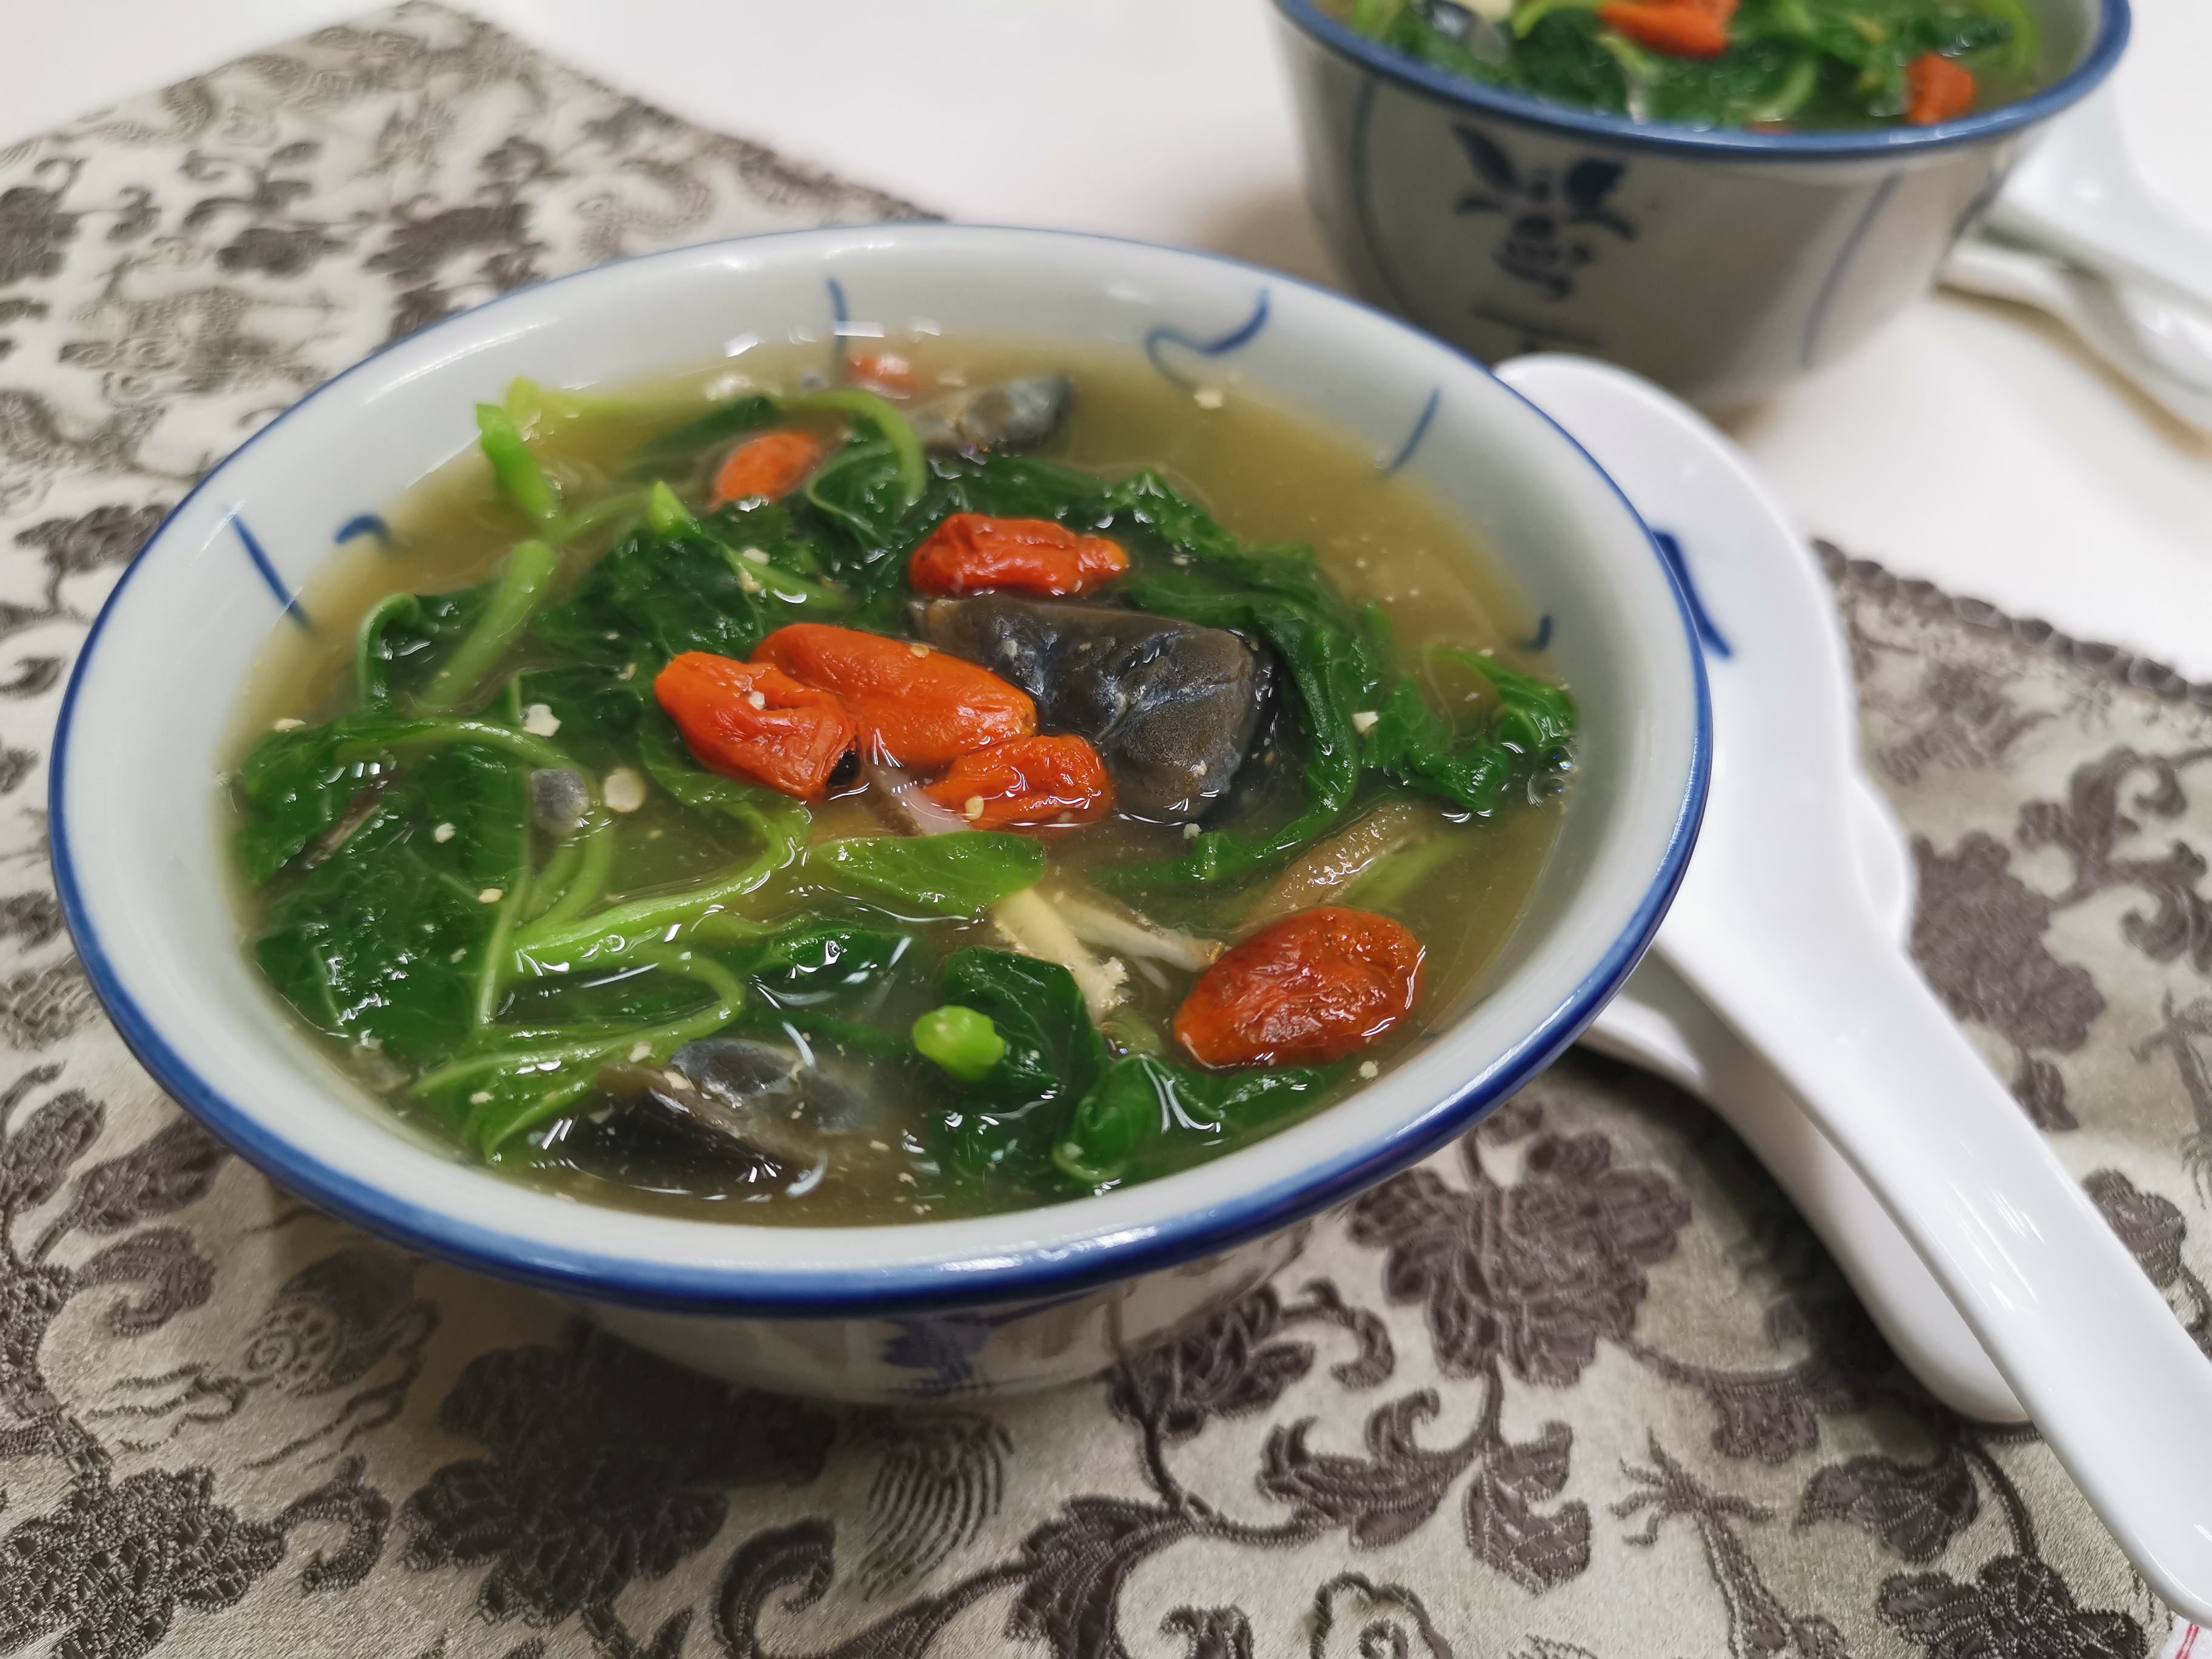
x=1583, y=1387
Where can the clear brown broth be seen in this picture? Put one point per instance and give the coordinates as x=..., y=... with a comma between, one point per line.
x=1268, y=474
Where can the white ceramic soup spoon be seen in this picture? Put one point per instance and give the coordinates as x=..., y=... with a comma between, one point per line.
x=1659, y=1022
x=1771, y=930
x=2077, y=192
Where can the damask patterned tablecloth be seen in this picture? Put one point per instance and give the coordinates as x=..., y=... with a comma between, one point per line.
x=1583, y=1387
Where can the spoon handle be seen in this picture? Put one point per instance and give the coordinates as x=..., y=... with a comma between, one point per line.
x=2076, y=1327
x=2080, y=195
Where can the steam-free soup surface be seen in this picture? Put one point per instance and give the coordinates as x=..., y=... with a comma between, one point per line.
x=657, y=817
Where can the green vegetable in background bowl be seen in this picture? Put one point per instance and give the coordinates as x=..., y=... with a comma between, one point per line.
x=1768, y=65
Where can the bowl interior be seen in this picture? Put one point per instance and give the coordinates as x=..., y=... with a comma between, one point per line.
x=142, y=868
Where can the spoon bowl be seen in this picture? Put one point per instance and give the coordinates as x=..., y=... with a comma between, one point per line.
x=1771, y=930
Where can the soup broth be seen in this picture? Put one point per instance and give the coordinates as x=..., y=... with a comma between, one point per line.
x=579, y=828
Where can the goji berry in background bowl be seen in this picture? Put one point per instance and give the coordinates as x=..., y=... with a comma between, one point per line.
x=1720, y=262
x=865, y=1312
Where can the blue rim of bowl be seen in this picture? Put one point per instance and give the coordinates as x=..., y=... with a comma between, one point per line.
x=1045, y=1274
x=2113, y=23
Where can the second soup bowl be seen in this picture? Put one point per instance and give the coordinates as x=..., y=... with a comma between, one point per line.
x=1721, y=263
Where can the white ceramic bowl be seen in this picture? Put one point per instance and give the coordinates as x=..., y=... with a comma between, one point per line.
x=1721, y=263
x=863, y=1312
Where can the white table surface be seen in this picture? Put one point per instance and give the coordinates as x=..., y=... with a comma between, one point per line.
x=1973, y=444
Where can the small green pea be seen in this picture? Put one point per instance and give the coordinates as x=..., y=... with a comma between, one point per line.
x=960, y=1041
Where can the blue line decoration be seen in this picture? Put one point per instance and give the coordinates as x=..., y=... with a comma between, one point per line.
x=285, y=596
x=1708, y=636
x=363, y=524
x=1414, y=438
x=1363, y=203
x=1241, y=336
x=1810, y=352
x=839, y=316
x=1542, y=641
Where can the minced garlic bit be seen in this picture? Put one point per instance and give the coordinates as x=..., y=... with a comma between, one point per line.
x=638, y=1052
x=629, y=671
x=908, y=1178
x=879, y=1146
x=757, y=699
x=288, y=724
x=491, y=895
x=972, y=808
x=1209, y=397
x=442, y=834
x=755, y=555
x=482, y=1097
x=1369, y=1070
x=1190, y=832
x=625, y=789
x=539, y=720
x=919, y=648
x=1363, y=721
x=750, y=582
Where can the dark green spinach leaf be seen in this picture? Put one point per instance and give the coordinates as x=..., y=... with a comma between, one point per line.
x=655, y=597
x=1141, y=1099
x=959, y=874
x=405, y=639
x=298, y=784
x=824, y=963
x=776, y=817
x=1535, y=718
x=1409, y=741
x=384, y=941
x=1009, y=1123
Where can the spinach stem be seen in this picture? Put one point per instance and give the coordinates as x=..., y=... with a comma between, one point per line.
x=528, y=402
x=404, y=733
x=594, y=846
x=366, y=637
x=541, y=948
x=1394, y=876
x=488, y=1125
x=2026, y=43
x=560, y=871
x=513, y=468
x=498, y=957
x=1526, y=17
x=665, y=511
x=1798, y=84
x=523, y=585
x=880, y=413
x=816, y=596
x=568, y=526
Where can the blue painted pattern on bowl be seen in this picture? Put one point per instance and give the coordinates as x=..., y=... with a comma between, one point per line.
x=1723, y=264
